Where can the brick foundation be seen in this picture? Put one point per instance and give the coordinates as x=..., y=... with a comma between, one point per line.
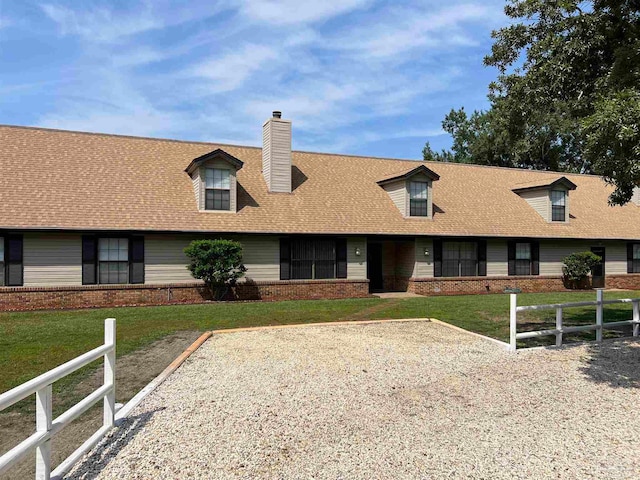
x=534, y=283
x=88, y=296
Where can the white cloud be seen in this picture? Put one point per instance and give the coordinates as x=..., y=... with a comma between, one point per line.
x=288, y=12
x=229, y=71
x=406, y=29
x=103, y=24
x=99, y=25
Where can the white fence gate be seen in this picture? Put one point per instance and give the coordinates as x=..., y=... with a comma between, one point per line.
x=46, y=426
x=560, y=329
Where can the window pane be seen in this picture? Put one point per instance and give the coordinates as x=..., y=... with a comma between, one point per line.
x=636, y=251
x=523, y=267
x=1, y=249
x=557, y=213
x=418, y=208
x=208, y=178
x=523, y=251
x=208, y=203
x=123, y=249
x=418, y=190
x=459, y=259
x=558, y=197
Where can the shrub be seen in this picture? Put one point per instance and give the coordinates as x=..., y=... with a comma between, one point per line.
x=577, y=266
x=217, y=262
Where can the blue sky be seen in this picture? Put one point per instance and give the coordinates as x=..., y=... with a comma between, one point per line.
x=355, y=76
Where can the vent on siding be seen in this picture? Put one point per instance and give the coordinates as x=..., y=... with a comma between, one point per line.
x=276, y=153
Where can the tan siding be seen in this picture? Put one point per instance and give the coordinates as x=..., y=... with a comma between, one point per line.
x=165, y=261
x=261, y=256
x=423, y=263
x=52, y=260
x=356, y=265
x=497, y=258
x=615, y=257
x=552, y=253
x=266, y=154
x=197, y=188
x=539, y=201
x=276, y=155
x=398, y=193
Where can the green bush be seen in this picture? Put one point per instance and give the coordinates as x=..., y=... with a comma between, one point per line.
x=217, y=262
x=577, y=266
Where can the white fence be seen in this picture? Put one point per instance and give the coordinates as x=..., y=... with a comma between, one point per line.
x=560, y=329
x=46, y=426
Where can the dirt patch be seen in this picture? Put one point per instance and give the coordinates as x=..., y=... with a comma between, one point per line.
x=133, y=372
x=368, y=312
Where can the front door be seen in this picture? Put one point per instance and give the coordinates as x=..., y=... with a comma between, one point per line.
x=374, y=267
x=597, y=272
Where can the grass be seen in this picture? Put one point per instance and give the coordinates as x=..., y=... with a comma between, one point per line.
x=34, y=342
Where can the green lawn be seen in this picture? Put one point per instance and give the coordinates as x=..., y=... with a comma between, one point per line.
x=34, y=342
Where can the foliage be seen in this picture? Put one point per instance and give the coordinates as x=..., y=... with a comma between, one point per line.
x=568, y=71
x=577, y=266
x=217, y=262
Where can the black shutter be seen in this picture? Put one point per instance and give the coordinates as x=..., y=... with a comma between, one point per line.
x=89, y=260
x=482, y=258
x=136, y=260
x=437, y=257
x=511, y=255
x=341, y=258
x=285, y=259
x=629, y=257
x=535, y=258
x=14, y=260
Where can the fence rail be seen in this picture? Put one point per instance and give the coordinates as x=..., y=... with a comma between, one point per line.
x=599, y=326
x=46, y=425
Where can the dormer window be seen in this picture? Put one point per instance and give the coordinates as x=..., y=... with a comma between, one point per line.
x=217, y=189
x=215, y=183
x=411, y=191
x=558, y=205
x=549, y=197
x=418, y=199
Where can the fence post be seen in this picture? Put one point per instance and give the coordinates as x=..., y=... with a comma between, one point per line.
x=43, y=424
x=110, y=372
x=636, y=318
x=559, y=327
x=599, y=314
x=513, y=321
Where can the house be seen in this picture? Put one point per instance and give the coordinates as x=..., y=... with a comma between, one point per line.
x=93, y=219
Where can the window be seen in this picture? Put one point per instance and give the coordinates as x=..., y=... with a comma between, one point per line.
x=113, y=260
x=459, y=259
x=523, y=259
x=217, y=189
x=558, y=205
x=418, y=199
x=636, y=258
x=312, y=258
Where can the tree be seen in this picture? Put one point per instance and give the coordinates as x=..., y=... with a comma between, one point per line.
x=568, y=70
x=217, y=262
x=577, y=266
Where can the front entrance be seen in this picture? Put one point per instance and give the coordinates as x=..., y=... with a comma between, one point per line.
x=374, y=267
x=598, y=272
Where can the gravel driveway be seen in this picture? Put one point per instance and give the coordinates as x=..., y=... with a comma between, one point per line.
x=393, y=400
